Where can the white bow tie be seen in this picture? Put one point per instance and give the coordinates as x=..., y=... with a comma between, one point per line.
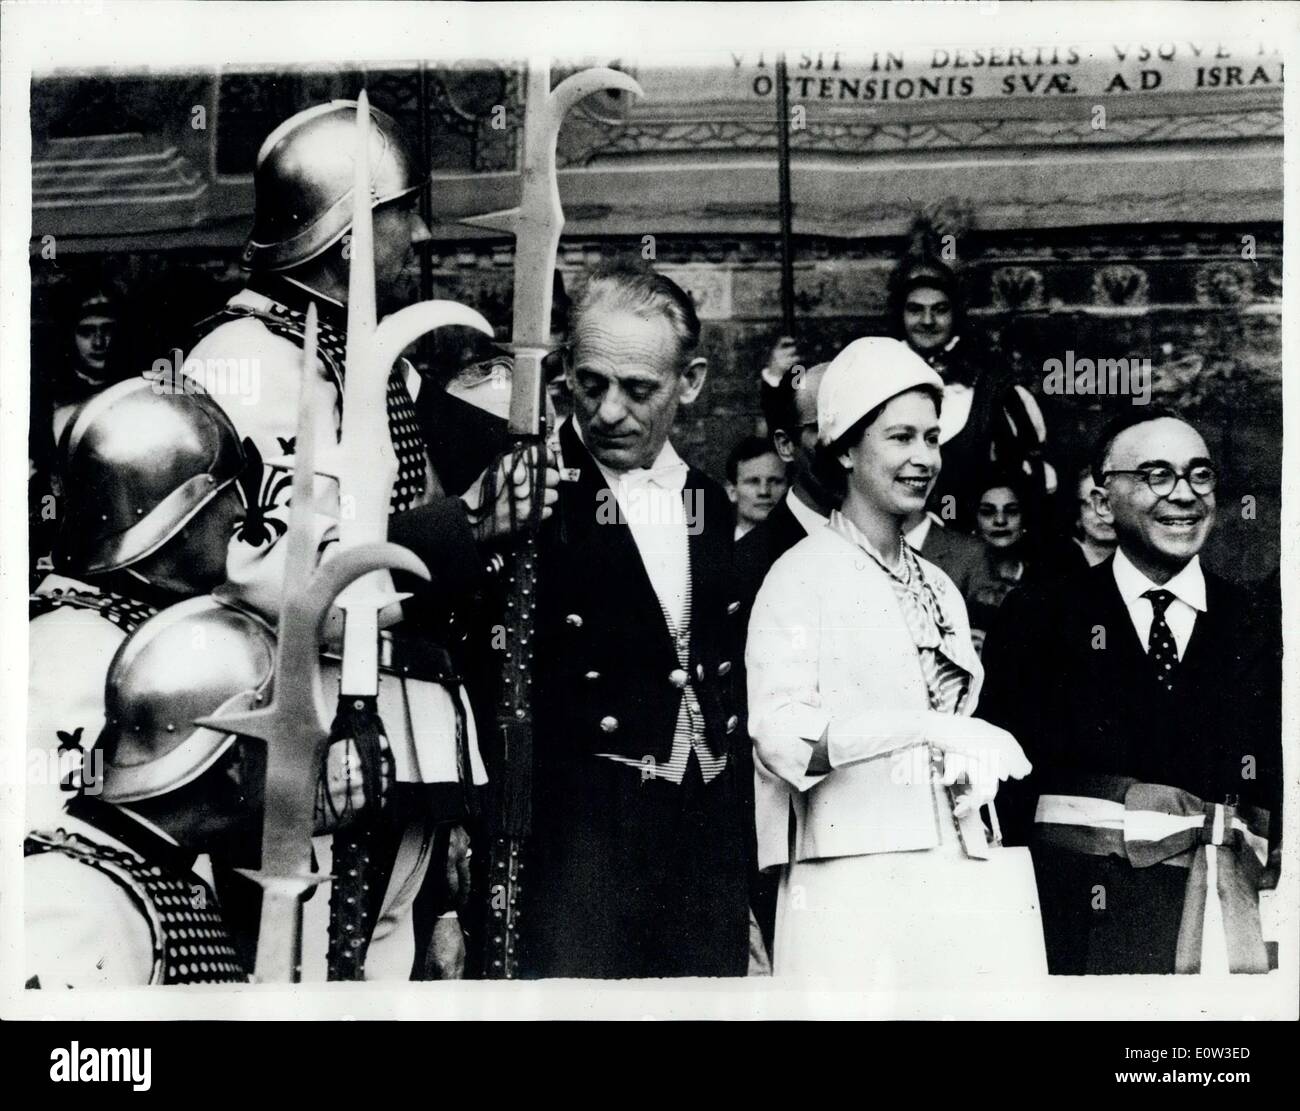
x=667, y=476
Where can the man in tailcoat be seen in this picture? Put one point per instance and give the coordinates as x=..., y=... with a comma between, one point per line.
x=638, y=857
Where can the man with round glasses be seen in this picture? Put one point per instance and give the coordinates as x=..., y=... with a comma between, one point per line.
x=1145, y=696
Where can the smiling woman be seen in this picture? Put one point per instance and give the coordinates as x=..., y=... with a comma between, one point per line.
x=862, y=677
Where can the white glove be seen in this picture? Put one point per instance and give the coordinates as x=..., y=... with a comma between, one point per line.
x=983, y=753
x=976, y=787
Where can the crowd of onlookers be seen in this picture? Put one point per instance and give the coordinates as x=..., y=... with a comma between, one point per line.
x=715, y=730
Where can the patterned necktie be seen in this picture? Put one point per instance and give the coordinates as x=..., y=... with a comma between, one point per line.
x=1161, y=648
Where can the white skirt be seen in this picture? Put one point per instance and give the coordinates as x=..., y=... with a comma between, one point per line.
x=912, y=919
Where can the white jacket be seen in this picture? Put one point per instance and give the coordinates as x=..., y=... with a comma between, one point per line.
x=829, y=651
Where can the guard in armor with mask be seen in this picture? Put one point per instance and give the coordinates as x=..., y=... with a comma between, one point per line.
x=151, y=500
x=298, y=255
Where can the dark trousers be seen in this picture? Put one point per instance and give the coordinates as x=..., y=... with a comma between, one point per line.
x=1101, y=916
x=636, y=877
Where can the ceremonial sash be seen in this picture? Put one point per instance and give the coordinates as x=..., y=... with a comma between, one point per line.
x=1149, y=823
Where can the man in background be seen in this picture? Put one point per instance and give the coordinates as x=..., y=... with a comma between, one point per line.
x=987, y=419
x=756, y=481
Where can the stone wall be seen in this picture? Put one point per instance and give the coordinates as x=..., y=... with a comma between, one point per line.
x=1182, y=296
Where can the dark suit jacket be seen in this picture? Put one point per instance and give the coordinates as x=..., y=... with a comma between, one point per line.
x=604, y=652
x=761, y=547
x=1068, y=677
x=607, y=680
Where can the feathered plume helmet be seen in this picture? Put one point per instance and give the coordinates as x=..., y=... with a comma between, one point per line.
x=930, y=260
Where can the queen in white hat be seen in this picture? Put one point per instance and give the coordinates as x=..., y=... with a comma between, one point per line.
x=862, y=680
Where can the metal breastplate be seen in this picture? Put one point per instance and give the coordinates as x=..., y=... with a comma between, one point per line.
x=191, y=944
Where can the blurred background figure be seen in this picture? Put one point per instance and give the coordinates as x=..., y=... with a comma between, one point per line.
x=773, y=403
x=1001, y=514
x=91, y=360
x=1083, y=540
x=1093, y=537
x=84, y=358
x=756, y=481
x=986, y=419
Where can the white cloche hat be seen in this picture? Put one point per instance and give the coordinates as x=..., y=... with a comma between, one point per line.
x=867, y=373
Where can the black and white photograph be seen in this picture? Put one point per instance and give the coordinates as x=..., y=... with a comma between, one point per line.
x=694, y=511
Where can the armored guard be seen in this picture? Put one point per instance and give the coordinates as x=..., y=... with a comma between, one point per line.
x=151, y=500
x=112, y=897
x=299, y=254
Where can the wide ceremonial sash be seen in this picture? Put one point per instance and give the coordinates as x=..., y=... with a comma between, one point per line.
x=1149, y=823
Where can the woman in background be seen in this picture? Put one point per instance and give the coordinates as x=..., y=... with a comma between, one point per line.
x=1001, y=524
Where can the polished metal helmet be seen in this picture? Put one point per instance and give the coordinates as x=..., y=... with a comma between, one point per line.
x=188, y=661
x=303, y=182
x=138, y=464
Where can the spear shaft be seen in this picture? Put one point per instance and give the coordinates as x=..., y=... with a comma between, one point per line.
x=783, y=194
x=536, y=225
x=367, y=468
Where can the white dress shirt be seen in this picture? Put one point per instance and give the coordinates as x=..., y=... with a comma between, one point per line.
x=806, y=515
x=916, y=537
x=1187, y=587
x=650, y=500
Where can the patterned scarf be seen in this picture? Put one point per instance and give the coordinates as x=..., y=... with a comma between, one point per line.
x=947, y=681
